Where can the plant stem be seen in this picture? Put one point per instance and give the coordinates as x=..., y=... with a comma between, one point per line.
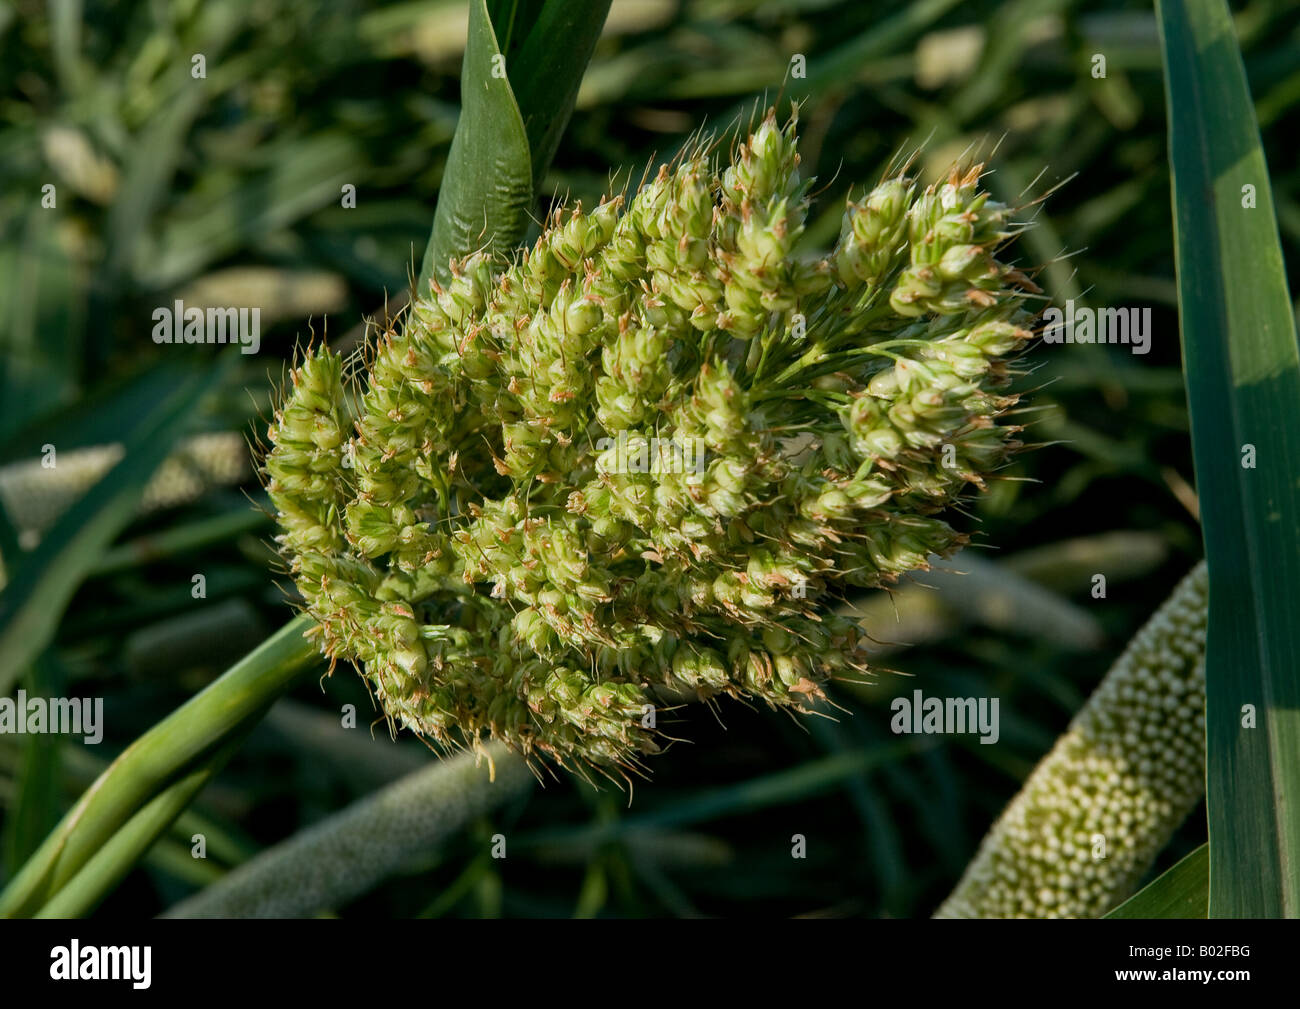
x=157, y=760
x=107, y=867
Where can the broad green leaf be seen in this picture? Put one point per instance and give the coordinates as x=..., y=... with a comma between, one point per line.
x=1179, y=892
x=548, y=70
x=523, y=64
x=487, y=186
x=513, y=20
x=1242, y=366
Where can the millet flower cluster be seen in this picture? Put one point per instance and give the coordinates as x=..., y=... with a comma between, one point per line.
x=461, y=530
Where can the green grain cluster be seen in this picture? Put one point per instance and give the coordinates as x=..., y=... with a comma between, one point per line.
x=651, y=452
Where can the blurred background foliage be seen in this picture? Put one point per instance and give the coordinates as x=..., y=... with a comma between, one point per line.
x=227, y=191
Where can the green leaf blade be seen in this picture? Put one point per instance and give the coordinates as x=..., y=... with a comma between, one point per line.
x=549, y=69
x=1182, y=891
x=1242, y=367
x=487, y=188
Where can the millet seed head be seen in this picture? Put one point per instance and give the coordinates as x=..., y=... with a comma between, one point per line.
x=650, y=453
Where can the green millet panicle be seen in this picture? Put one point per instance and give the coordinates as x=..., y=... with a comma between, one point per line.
x=652, y=451
x=1098, y=809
